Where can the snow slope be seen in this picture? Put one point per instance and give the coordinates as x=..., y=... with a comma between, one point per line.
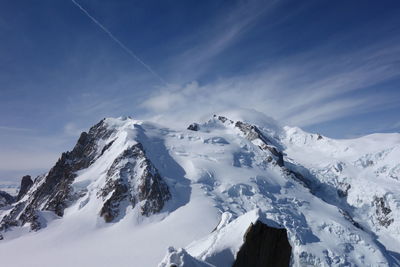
x=332, y=196
x=367, y=172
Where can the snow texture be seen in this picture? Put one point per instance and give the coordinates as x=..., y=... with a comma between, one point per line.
x=339, y=200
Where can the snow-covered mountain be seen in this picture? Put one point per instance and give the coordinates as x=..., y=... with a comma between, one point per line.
x=236, y=190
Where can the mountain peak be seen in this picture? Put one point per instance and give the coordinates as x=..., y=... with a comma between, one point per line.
x=204, y=189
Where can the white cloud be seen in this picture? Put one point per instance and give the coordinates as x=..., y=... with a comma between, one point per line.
x=170, y=97
x=305, y=89
x=71, y=129
x=302, y=91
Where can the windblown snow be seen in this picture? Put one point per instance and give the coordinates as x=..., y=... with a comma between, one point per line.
x=187, y=197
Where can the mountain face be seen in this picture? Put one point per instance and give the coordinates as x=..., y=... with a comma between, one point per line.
x=133, y=178
x=235, y=190
x=6, y=199
x=26, y=184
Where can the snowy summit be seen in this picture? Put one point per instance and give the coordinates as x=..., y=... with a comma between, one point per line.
x=236, y=190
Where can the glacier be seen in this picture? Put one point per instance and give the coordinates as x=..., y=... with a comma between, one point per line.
x=136, y=193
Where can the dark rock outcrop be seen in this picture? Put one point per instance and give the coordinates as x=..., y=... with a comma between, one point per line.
x=382, y=211
x=6, y=199
x=348, y=217
x=26, y=184
x=193, y=127
x=252, y=133
x=223, y=119
x=300, y=178
x=132, y=177
x=264, y=246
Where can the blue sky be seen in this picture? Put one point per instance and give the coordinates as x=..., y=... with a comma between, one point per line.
x=331, y=67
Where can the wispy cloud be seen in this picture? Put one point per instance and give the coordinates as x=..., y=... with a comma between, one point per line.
x=303, y=90
x=216, y=36
x=310, y=87
x=72, y=129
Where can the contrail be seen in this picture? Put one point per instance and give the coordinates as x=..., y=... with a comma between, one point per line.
x=115, y=39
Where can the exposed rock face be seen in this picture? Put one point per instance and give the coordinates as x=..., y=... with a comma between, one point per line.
x=5, y=199
x=252, y=133
x=26, y=184
x=343, y=189
x=132, y=177
x=264, y=246
x=53, y=192
x=348, y=217
x=223, y=119
x=382, y=211
x=193, y=127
